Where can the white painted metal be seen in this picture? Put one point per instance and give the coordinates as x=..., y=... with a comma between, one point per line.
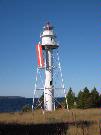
x=63, y=87
x=48, y=89
x=48, y=37
x=35, y=89
x=48, y=40
x=48, y=44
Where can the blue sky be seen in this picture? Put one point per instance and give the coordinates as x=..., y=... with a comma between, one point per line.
x=77, y=25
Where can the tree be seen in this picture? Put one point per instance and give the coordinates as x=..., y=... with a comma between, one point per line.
x=70, y=98
x=86, y=98
x=95, y=98
x=40, y=102
x=26, y=108
x=99, y=100
x=80, y=103
x=83, y=99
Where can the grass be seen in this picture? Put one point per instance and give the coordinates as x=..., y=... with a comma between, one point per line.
x=58, y=116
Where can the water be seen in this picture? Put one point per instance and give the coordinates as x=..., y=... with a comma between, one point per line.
x=15, y=104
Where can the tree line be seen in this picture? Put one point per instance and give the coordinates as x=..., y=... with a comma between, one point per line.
x=84, y=99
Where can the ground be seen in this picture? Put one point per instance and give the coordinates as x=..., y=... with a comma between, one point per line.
x=91, y=116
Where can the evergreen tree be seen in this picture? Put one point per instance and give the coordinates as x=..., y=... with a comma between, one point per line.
x=80, y=103
x=70, y=98
x=41, y=101
x=26, y=108
x=86, y=98
x=83, y=99
x=99, y=104
x=95, y=98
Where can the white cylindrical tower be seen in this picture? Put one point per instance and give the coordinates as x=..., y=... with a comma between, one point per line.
x=48, y=44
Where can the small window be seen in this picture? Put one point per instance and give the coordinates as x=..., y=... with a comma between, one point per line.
x=50, y=82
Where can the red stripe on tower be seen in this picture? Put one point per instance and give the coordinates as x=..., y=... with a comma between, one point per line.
x=40, y=56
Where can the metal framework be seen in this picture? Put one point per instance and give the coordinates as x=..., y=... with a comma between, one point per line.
x=59, y=87
x=49, y=64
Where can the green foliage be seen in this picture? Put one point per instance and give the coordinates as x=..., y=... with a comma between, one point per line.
x=40, y=102
x=95, y=98
x=70, y=98
x=26, y=108
x=63, y=104
x=85, y=99
x=80, y=103
x=42, y=98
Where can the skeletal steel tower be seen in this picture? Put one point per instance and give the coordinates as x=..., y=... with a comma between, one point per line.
x=47, y=46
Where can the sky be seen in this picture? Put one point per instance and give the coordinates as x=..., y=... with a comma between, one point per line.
x=77, y=25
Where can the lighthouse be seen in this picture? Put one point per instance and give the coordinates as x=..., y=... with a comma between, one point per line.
x=45, y=55
x=48, y=45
